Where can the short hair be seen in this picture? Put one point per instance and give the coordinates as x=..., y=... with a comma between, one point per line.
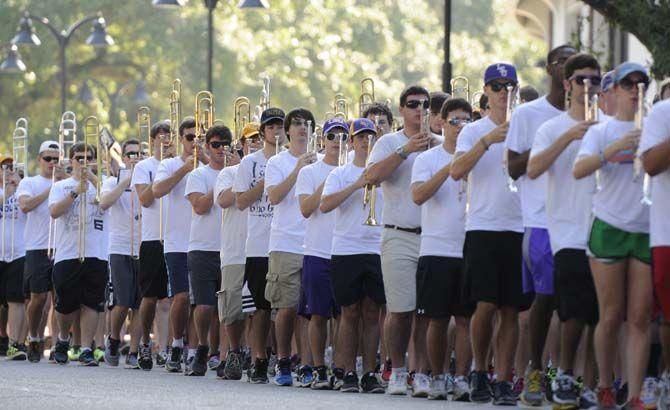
x=553, y=52
x=261, y=129
x=221, y=131
x=303, y=113
x=453, y=104
x=188, y=122
x=579, y=61
x=437, y=99
x=160, y=126
x=412, y=90
x=528, y=93
x=131, y=141
x=81, y=147
x=483, y=102
x=378, y=108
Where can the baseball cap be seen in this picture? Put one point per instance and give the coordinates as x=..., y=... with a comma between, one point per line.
x=333, y=123
x=49, y=145
x=627, y=68
x=4, y=158
x=362, y=124
x=500, y=70
x=272, y=114
x=608, y=81
x=250, y=129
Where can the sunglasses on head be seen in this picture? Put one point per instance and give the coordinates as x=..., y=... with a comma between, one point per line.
x=189, y=137
x=333, y=135
x=217, y=144
x=416, y=103
x=628, y=84
x=594, y=80
x=49, y=159
x=496, y=87
x=458, y=121
x=88, y=158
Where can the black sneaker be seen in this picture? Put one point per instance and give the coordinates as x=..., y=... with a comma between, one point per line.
x=112, y=355
x=320, y=381
x=370, y=383
x=17, y=351
x=173, y=364
x=221, y=370
x=86, y=358
x=622, y=394
x=564, y=390
x=503, y=394
x=161, y=357
x=350, y=383
x=337, y=378
x=233, y=365
x=34, y=355
x=480, y=388
x=4, y=346
x=259, y=372
x=199, y=363
x=144, y=360
x=61, y=350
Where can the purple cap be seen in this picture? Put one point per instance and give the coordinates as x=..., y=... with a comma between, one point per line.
x=362, y=124
x=608, y=81
x=335, y=122
x=500, y=71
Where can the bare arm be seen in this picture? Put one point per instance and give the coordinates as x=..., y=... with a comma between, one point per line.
x=200, y=202
x=423, y=191
x=28, y=203
x=226, y=198
x=517, y=163
x=464, y=162
x=162, y=188
x=109, y=198
x=278, y=192
x=657, y=159
x=246, y=198
x=310, y=203
x=146, y=194
x=539, y=163
x=588, y=164
x=332, y=201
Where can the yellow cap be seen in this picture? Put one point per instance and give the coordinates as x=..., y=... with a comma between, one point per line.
x=4, y=158
x=250, y=130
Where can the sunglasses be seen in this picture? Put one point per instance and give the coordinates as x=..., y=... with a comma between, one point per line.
x=189, y=137
x=217, y=144
x=49, y=159
x=496, y=87
x=416, y=103
x=333, y=135
x=628, y=85
x=88, y=158
x=131, y=154
x=594, y=80
x=459, y=121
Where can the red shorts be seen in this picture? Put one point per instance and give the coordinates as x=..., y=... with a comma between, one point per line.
x=660, y=257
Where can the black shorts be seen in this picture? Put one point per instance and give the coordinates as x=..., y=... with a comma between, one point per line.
x=492, y=267
x=204, y=271
x=80, y=283
x=355, y=276
x=125, y=280
x=255, y=272
x=439, y=288
x=11, y=282
x=153, y=278
x=37, y=272
x=575, y=290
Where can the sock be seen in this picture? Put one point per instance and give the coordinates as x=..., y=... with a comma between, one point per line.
x=33, y=339
x=178, y=342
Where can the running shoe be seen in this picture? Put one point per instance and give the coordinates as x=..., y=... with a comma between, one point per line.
x=144, y=360
x=162, y=356
x=461, y=389
x=532, y=394
x=305, y=376
x=173, y=365
x=564, y=391
x=4, y=346
x=74, y=353
x=272, y=365
x=635, y=404
x=320, y=381
x=87, y=359
x=132, y=361
x=350, y=383
x=112, y=352
x=438, y=388
x=397, y=384
x=17, y=351
x=52, y=355
x=503, y=394
x=622, y=394
x=198, y=365
x=518, y=386
x=233, y=365
x=450, y=383
x=213, y=361
x=61, y=351
x=34, y=355
x=649, y=393
x=664, y=392
x=370, y=383
x=606, y=398
x=283, y=377
x=99, y=354
x=259, y=372
x=337, y=378
x=220, y=370
x=480, y=387
x=588, y=399
x=420, y=385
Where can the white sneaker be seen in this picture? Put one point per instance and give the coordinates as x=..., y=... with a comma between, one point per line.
x=461, y=389
x=450, y=383
x=648, y=395
x=438, y=388
x=663, y=392
x=420, y=385
x=397, y=384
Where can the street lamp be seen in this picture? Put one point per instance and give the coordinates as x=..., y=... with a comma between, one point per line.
x=12, y=63
x=211, y=5
x=98, y=38
x=446, y=67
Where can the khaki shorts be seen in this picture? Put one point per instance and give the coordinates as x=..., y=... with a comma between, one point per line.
x=230, y=295
x=283, y=280
x=400, y=257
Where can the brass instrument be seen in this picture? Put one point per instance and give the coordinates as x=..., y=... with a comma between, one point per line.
x=370, y=190
x=312, y=139
x=204, y=119
x=20, y=167
x=91, y=133
x=242, y=110
x=175, y=114
x=144, y=136
x=460, y=88
x=341, y=107
x=144, y=127
x=638, y=167
x=508, y=115
x=367, y=97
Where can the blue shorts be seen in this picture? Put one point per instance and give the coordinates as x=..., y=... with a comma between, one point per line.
x=538, y=262
x=177, y=268
x=317, y=289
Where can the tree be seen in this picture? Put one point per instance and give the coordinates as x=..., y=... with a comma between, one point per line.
x=645, y=19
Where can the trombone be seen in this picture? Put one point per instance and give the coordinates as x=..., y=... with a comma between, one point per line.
x=637, y=163
x=20, y=167
x=144, y=136
x=204, y=119
x=367, y=97
x=175, y=114
x=370, y=190
x=91, y=133
x=242, y=109
x=460, y=87
x=508, y=115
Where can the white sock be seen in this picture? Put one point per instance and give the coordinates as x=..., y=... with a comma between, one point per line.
x=191, y=353
x=178, y=342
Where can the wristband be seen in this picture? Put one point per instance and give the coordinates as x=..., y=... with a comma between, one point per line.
x=74, y=195
x=603, y=161
x=486, y=146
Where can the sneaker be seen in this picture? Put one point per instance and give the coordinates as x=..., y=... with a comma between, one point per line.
x=144, y=360
x=73, y=353
x=518, y=386
x=420, y=385
x=305, y=376
x=4, y=346
x=283, y=375
x=532, y=394
x=259, y=372
x=450, y=383
x=564, y=390
x=198, y=364
x=272, y=365
x=503, y=394
x=635, y=404
x=461, y=389
x=124, y=349
x=649, y=393
x=337, y=378
x=34, y=353
x=17, y=351
x=370, y=383
x=386, y=372
x=132, y=361
x=173, y=364
x=480, y=387
x=663, y=392
x=350, y=383
x=438, y=388
x=161, y=357
x=397, y=384
x=52, y=355
x=622, y=394
x=221, y=370
x=61, y=351
x=213, y=361
x=588, y=399
x=87, y=359
x=99, y=354
x=320, y=381
x=606, y=399
x=112, y=352
x=233, y=365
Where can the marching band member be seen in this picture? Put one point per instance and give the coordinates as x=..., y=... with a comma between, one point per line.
x=382, y=114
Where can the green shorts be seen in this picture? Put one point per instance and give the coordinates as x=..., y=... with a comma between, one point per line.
x=610, y=244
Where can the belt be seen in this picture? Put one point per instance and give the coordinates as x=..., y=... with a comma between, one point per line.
x=410, y=230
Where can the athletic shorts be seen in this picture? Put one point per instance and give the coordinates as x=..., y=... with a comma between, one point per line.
x=11, y=282
x=230, y=295
x=355, y=276
x=610, y=244
x=37, y=271
x=317, y=288
x=153, y=272
x=80, y=283
x=400, y=257
x=255, y=273
x=204, y=269
x=177, y=269
x=492, y=267
x=575, y=291
x=439, y=288
x=538, y=262
x=283, y=279
x=660, y=257
x=125, y=280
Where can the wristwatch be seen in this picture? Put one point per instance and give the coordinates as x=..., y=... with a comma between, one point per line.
x=74, y=195
x=401, y=152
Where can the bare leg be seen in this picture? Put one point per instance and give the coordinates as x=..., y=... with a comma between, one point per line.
x=398, y=330
x=284, y=330
x=317, y=338
x=370, y=316
x=260, y=326
x=640, y=299
x=508, y=337
x=463, y=351
x=481, y=330
x=419, y=336
x=35, y=314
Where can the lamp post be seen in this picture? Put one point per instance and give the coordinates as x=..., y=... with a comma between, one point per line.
x=140, y=97
x=12, y=62
x=98, y=38
x=446, y=67
x=211, y=6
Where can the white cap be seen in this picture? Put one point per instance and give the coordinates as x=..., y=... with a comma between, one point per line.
x=48, y=146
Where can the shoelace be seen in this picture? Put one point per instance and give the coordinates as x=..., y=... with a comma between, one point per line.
x=535, y=381
x=606, y=398
x=565, y=383
x=145, y=352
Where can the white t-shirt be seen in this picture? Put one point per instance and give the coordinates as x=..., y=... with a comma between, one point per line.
x=36, y=234
x=443, y=214
x=234, y=226
x=318, y=234
x=205, y=229
x=399, y=209
x=350, y=236
x=655, y=131
x=178, y=210
x=144, y=174
x=118, y=217
x=492, y=206
x=618, y=200
x=11, y=212
x=249, y=174
x=67, y=225
x=525, y=122
x=568, y=202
